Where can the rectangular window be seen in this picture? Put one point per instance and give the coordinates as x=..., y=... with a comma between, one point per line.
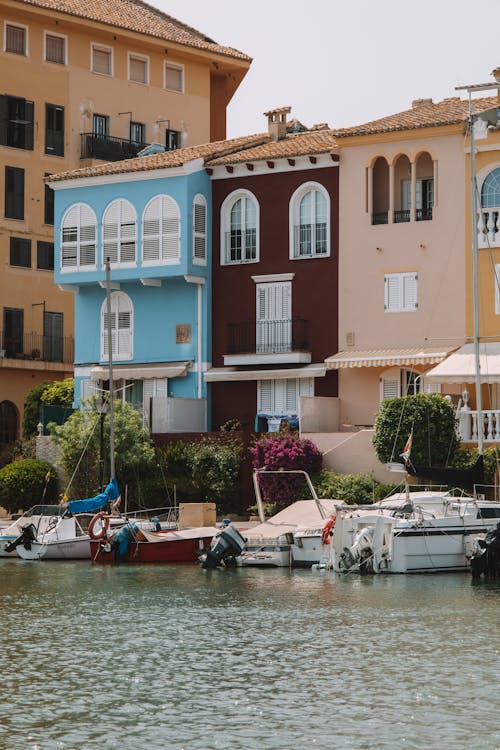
x=174, y=77
x=55, y=48
x=100, y=124
x=16, y=122
x=401, y=292
x=16, y=39
x=54, y=130
x=137, y=133
x=172, y=140
x=45, y=256
x=281, y=397
x=138, y=68
x=53, y=336
x=14, y=193
x=13, y=331
x=102, y=60
x=20, y=252
x=49, y=204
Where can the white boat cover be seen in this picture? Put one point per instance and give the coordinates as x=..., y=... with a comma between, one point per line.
x=199, y=532
x=302, y=514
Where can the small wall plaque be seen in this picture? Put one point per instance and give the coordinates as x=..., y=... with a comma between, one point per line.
x=183, y=334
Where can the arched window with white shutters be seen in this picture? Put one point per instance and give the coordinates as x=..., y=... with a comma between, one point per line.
x=199, y=230
x=122, y=331
x=161, y=231
x=78, y=238
x=119, y=233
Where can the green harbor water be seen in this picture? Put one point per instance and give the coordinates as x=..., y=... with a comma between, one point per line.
x=174, y=657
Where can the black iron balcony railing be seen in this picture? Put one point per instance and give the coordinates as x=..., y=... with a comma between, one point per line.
x=36, y=346
x=108, y=148
x=400, y=217
x=423, y=214
x=380, y=217
x=268, y=336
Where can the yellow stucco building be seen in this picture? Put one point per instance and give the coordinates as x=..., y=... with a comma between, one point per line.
x=79, y=83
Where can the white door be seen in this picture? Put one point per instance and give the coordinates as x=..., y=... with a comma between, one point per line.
x=274, y=317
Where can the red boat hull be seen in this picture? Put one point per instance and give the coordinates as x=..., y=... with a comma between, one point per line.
x=175, y=551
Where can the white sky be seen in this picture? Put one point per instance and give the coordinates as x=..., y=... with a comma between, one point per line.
x=346, y=62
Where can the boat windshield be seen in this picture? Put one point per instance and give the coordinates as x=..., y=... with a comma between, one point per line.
x=45, y=510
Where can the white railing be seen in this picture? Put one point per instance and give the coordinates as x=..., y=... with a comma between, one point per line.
x=488, y=227
x=468, y=426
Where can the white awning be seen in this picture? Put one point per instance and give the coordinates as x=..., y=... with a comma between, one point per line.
x=460, y=367
x=141, y=372
x=387, y=357
x=220, y=374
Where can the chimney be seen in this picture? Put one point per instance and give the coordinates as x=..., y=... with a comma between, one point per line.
x=420, y=103
x=276, y=122
x=496, y=75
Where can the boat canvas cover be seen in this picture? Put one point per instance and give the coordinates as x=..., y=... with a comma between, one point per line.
x=179, y=535
x=302, y=514
x=98, y=502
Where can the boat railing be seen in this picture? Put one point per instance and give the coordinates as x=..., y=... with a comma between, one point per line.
x=166, y=515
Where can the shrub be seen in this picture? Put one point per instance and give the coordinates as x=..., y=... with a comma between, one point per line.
x=59, y=393
x=284, y=451
x=351, y=488
x=32, y=409
x=23, y=484
x=215, y=470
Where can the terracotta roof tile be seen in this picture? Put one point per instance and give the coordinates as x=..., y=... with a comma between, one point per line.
x=295, y=144
x=136, y=15
x=424, y=114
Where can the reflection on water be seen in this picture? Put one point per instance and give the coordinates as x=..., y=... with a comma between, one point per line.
x=173, y=657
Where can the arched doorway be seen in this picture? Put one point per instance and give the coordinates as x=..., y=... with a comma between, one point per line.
x=8, y=423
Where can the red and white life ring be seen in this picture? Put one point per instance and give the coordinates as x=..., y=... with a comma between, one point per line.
x=327, y=530
x=104, y=519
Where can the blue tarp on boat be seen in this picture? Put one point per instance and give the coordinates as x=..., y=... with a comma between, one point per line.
x=98, y=502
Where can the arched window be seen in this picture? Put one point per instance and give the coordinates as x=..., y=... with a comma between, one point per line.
x=490, y=191
x=199, y=230
x=8, y=422
x=380, y=191
x=78, y=238
x=239, y=228
x=310, y=222
x=119, y=230
x=161, y=239
x=122, y=314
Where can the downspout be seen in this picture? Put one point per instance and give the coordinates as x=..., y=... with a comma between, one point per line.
x=200, y=328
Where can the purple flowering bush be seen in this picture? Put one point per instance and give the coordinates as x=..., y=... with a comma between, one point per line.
x=284, y=451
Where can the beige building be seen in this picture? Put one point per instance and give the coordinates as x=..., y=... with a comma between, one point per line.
x=403, y=284
x=82, y=83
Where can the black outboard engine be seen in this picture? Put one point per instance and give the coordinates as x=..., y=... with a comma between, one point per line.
x=486, y=557
x=226, y=546
x=27, y=535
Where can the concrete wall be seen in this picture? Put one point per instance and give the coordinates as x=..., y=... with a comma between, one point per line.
x=352, y=453
x=319, y=414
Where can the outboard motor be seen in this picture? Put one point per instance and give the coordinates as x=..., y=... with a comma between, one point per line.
x=226, y=546
x=27, y=535
x=361, y=552
x=485, y=558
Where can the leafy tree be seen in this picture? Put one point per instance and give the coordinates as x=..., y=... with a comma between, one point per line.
x=32, y=409
x=59, y=393
x=351, y=488
x=25, y=483
x=79, y=438
x=215, y=469
x=284, y=450
x=432, y=419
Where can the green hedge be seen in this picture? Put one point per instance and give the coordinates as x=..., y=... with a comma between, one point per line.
x=22, y=484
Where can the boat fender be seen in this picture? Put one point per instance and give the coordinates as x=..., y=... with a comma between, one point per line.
x=328, y=530
x=104, y=519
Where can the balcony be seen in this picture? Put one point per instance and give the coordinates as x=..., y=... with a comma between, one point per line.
x=468, y=426
x=37, y=347
x=108, y=148
x=423, y=214
x=380, y=217
x=268, y=342
x=401, y=217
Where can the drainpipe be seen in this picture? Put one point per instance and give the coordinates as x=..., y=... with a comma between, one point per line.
x=199, y=281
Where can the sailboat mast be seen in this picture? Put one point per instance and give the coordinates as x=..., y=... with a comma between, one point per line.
x=475, y=280
x=111, y=381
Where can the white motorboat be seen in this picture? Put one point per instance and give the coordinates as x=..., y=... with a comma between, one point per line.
x=411, y=532
x=41, y=516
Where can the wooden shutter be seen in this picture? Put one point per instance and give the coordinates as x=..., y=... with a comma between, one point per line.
x=292, y=399
x=151, y=227
x=409, y=291
x=306, y=386
x=390, y=384
x=170, y=230
x=274, y=312
x=127, y=232
x=69, y=237
x=392, y=302
x=110, y=232
x=87, y=238
x=265, y=396
x=199, y=228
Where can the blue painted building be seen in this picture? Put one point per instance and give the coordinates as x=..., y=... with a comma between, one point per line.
x=150, y=216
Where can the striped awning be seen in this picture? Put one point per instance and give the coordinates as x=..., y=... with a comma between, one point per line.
x=387, y=357
x=221, y=374
x=141, y=372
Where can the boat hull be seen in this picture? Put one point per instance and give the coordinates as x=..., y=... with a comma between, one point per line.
x=174, y=551
x=68, y=549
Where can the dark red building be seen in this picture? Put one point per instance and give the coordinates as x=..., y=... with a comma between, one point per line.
x=274, y=274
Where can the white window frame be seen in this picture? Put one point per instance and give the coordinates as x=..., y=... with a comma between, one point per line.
x=173, y=66
x=101, y=48
x=280, y=391
x=163, y=257
x=225, y=227
x=59, y=36
x=120, y=239
x=142, y=58
x=123, y=346
x=26, y=32
x=401, y=280
x=200, y=259
x=78, y=244
x=274, y=317
x=294, y=213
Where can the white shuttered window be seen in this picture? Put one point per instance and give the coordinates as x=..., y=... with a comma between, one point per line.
x=119, y=233
x=281, y=397
x=199, y=230
x=78, y=238
x=161, y=235
x=121, y=327
x=401, y=292
x=274, y=317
